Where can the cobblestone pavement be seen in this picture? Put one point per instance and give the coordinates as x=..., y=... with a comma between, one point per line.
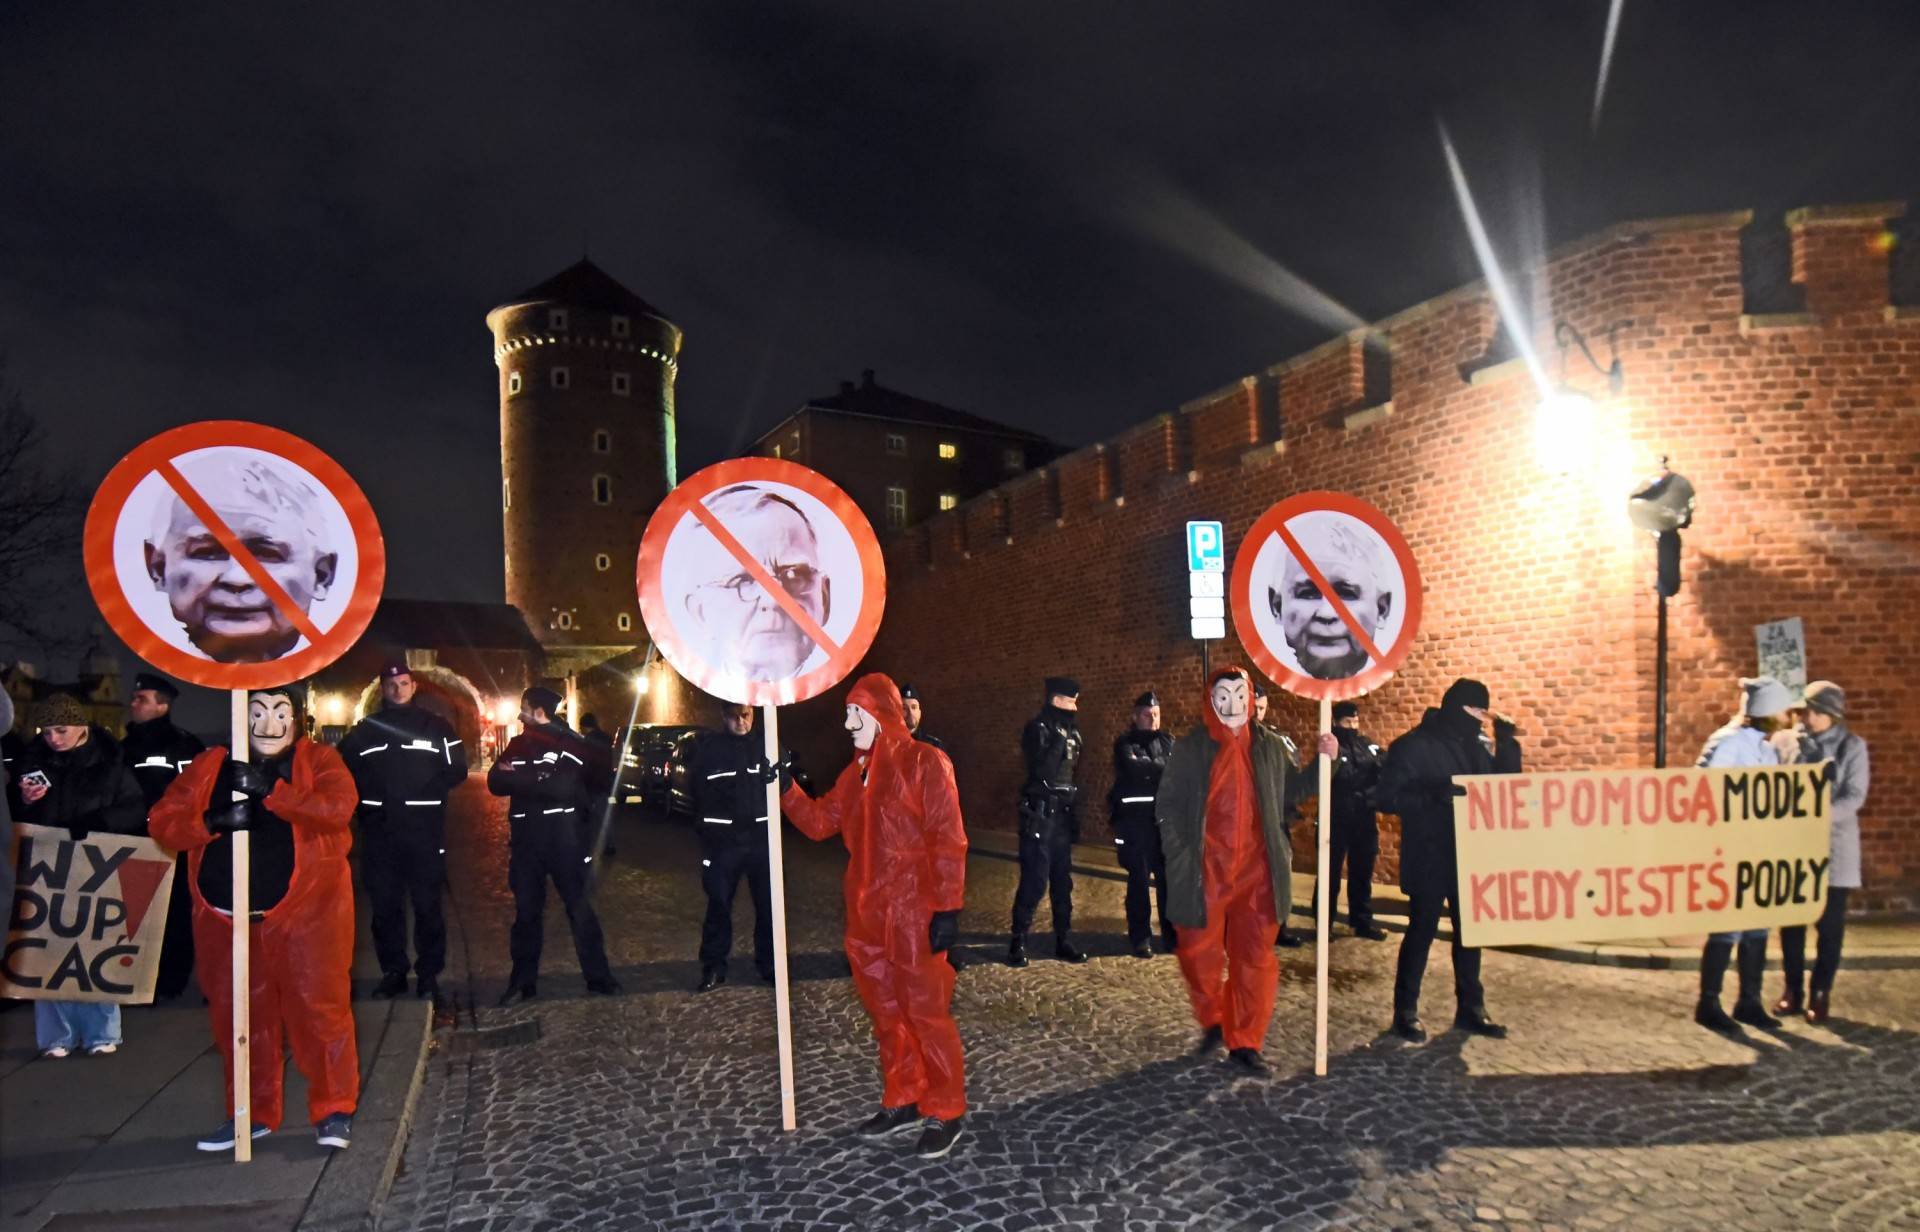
x=1607, y=1108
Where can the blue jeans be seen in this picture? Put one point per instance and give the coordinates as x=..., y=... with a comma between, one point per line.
x=1747, y=934
x=75, y=1024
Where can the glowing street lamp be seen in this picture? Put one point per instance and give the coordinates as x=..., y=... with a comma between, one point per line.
x=1663, y=507
x=641, y=683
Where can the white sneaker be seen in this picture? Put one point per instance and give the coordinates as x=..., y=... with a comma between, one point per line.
x=102, y=1050
x=57, y=1052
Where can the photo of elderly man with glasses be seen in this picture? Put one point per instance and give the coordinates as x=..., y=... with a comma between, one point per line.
x=741, y=627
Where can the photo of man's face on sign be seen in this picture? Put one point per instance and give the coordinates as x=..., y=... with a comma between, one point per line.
x=720, y=604
x=191, y=562
x=1295, y=610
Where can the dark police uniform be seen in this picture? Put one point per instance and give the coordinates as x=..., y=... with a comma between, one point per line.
x=404, y=761
x=728, y=774
x=157, y=751
x=1355, y=841
x=552, y=777
x=1048, y=822
x=1139, y=758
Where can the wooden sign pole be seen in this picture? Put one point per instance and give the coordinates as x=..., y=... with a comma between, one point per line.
x=1323, y=923
x=776, y=876
x=242, y=964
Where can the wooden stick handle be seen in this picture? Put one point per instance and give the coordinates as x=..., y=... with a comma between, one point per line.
x=1323, y=924
x=242, y=959
x=776, y=876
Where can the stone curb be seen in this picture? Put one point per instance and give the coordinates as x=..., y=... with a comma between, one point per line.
x=355, y=1183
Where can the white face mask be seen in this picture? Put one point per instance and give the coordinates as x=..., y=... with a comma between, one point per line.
x=863, y=726
x=1230, y=701
x=270, y=724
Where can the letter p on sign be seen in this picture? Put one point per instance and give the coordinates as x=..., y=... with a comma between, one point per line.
x=1206, y=548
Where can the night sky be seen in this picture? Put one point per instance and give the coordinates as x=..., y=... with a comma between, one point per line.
x=1046, y=213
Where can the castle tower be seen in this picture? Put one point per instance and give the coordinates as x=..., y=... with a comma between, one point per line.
x=586, y=454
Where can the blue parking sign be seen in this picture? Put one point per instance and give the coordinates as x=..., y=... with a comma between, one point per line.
x=1206, y=548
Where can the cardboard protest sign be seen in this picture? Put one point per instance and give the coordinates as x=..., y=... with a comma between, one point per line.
x=1783, y=654
x=87, y=918
x=1603, y=855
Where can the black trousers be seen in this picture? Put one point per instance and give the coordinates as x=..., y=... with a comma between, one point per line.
x=1354, y=845
x=1423, y=925
x=1830, y=931
x=1046, y=866
x=1137, y=842
x=176, y=947
x=403, y=861
x=720, y=873
x=556, y=853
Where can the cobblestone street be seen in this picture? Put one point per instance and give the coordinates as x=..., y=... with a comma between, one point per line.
x=660, y=1109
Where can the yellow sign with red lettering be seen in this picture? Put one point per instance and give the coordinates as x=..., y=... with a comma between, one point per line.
x=1601, y=855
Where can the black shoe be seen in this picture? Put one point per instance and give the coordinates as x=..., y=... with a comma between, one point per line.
x=1287, y=941
x=1409, y=1028
x=1372, y=932
x=1142, y=950
x=427, y=988
x=1063, y=950
x=392, y=984
x=1476, y=1021
x=1210, y=1041
x=335, y=1132
x=711, y=978
x=1169, y=940
x=1017, y=952
x=889, y=1121
x=608, y=987
x=1709, y=1015
x=1249, y=1062
x=766, y=977
x=1754, y=1014
x=517, y=992
x=938, y=1138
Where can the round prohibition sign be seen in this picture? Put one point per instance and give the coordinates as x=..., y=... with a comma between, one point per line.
x=760, y=581
x=161, y=546
x=1326, y=595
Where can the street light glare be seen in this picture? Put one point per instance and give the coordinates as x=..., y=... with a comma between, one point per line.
x=1563, y=431
x=641, y=683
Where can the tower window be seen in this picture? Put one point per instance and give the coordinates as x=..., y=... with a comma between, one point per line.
x=624, y=621
x=556, y=318
x=622, y=384
x=602, y=561
x=896, y=443
x=506, y=493
x=513, y=383
x=563, y=621
x=1014, y=459
x=603, y=489
x=602, y=441
x=777, y=453
x=562, y=378
x=896, y=507
x=949, y=501
x=622, y=326
x=949, y=451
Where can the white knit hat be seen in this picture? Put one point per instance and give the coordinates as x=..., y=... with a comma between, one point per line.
x=1765, y=697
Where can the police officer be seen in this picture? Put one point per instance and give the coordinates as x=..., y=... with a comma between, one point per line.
x=553, y=778
x=404, y=760
x=1048, y=822
x=910, y=698
x=728, y=772
x=1139, y=757
x=157, y=752
x=1284, y=939
x=1355, y=841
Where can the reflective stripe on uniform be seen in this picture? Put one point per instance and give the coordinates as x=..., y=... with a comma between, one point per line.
x=427, y=803
x=721, y=774
x=375, y=749
x=550, y=812
x=375, y=803
x=718, y=821
x=1136, y=799
x=425, y=746
x=158, y=763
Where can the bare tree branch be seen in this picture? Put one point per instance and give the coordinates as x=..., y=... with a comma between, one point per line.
x=41, y=507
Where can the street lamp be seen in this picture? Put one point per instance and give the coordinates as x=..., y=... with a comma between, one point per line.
x=1663, y=507
x=641, y=683
x=1564, y=420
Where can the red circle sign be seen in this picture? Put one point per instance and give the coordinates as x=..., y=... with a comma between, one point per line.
x=761, y=581
x=1326, y=595
x=234, y=555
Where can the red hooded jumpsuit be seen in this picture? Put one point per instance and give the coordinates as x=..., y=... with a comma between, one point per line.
x=898, y=811
x=302, y=951
x=1232, y=975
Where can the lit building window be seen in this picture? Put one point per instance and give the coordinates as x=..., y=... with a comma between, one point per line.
x=777, y=453
x=896, y=507
x=949, y=451
x=896, y=443
x=562, y=378
x=625, y=622
x=602, y=561
x=506, y=493
x=622, y=384
x=602, y=441
x=563, y=621
x=513, y=382
x=949, y=501
x=1014, y=459
x=556, y=318
x=622, y=327
x=603, y=489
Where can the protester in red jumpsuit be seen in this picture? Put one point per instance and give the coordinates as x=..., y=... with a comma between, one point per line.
x=299, y=799
x=1221, y=807
x=898, y=811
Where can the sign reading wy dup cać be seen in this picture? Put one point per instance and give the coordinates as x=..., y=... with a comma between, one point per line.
x=1604, y=855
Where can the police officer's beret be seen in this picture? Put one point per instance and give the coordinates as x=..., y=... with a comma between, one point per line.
x=148, y=682
x=1259, y=690
x=1149, y=698
x=395, y=669
x=540, y=698
x=908, y=691
x=1346, y=710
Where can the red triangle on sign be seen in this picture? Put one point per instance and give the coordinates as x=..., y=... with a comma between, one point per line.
x=139, y=882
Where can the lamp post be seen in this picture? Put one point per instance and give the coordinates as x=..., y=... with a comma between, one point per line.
x=1663, y=507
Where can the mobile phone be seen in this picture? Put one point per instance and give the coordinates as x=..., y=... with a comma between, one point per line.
x=36, y=777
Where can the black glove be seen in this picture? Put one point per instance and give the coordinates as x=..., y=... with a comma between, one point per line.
x=1504, y=728
x=943, y=930
x=78, y=834
x=782, y=770
x=251, y=779
x=226, y=818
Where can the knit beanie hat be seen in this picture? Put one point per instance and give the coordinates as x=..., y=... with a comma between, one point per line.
x=1828, y=698
x=62, y=710
x=1463, y=693
x=1764, y=697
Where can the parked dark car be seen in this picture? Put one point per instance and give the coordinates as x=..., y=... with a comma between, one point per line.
x=654, y=766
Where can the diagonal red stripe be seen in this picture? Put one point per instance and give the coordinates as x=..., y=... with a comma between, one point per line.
x=758, y=572
x=230, y=541
x=1319, y=579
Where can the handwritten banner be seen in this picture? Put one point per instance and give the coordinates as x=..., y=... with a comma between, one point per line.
x=1605, y=855
x=87, y=918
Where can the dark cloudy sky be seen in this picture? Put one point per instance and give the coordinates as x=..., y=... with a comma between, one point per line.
x=301, y=214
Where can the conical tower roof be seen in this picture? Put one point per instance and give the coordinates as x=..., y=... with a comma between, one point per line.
x=585, y=285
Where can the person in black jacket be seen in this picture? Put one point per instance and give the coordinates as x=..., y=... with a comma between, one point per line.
x=728, y=772
x=157, y=751
x=1048, y=823
x=404, y=760
x=70, y=777
x=1139, y=759
x=1285, y=938
x=553, y=779
x=1355, y=841
x=1417, y=784
x=910, y=698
